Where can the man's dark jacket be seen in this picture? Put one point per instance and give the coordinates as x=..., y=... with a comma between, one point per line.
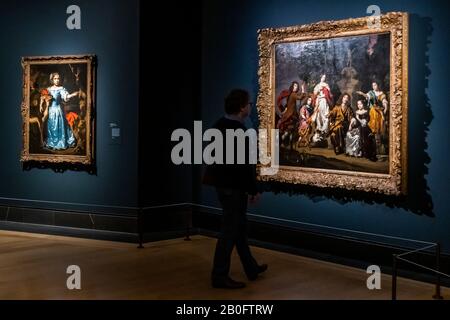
x=232, y=176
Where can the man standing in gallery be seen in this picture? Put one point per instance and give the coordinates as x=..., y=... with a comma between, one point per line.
x=236, y=186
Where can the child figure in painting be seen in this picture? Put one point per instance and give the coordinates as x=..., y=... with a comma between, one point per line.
x=367, y=139
x=353, y=140
x=59, y=133
x=305, y=127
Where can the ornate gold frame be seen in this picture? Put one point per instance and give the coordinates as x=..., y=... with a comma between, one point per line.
x=87, y=159
x=395, y=23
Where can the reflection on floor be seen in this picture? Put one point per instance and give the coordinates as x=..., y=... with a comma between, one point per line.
x=34, y=267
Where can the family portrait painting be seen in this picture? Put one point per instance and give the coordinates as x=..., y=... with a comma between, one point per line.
x=337, y=94
x=332, y=106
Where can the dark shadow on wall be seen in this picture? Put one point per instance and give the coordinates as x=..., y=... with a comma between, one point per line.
x=418, y=200
x=60, y=167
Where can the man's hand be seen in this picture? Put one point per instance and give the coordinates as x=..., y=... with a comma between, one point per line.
x=254, y=199
x=303, y=87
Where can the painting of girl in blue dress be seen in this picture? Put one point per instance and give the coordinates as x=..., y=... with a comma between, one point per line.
x=58, y=115
x=59, y=133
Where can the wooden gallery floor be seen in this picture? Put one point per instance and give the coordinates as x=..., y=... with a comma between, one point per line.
x=34, y=267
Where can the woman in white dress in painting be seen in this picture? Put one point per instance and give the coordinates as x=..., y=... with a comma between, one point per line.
x=323, y=101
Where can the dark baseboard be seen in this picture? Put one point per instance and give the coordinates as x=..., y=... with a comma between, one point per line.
x=155, y=224
x=168, y=219
x=67, y=207
x=69, y=232
x=94, y=221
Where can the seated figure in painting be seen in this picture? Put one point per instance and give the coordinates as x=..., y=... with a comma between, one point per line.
x=378, y=105
x=368, y=147
x=353, y=140
x=289, y=120
x=59, y=133
x=339, y=121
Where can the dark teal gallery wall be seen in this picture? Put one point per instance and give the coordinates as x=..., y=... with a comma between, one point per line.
x=110, y=30
x=230, y=59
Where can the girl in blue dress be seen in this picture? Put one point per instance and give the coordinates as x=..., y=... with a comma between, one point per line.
x=59, y=133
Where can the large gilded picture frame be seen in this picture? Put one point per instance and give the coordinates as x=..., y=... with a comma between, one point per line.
x=58, y=109
x=337, y=91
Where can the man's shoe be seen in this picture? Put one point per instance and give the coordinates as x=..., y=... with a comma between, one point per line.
x=228, y=283
x=260, y=269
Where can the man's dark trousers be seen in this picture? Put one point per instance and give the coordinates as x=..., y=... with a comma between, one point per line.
x=233, y=233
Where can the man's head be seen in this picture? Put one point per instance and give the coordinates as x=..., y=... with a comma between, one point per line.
x=344, y=100
x=238, y=103
x=294, y=86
